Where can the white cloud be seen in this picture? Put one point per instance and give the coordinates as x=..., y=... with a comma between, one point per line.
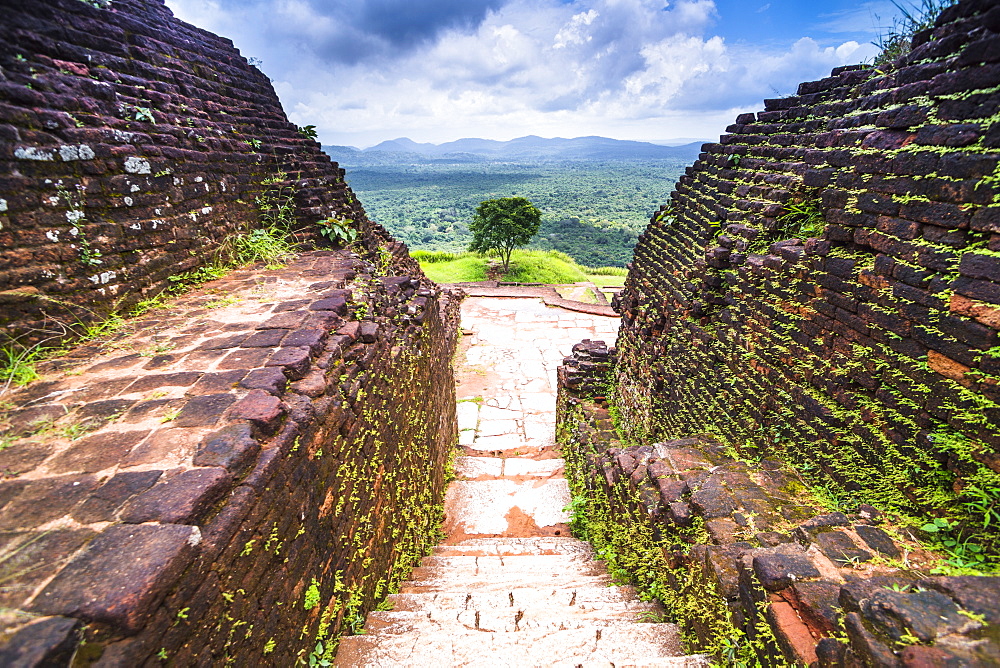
x=575, y=32
x=640, y=69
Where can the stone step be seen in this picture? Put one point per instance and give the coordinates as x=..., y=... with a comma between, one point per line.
x=522, y=598
x=475, y=547
x=613, y=644
x=485, y=468
x=441, y=579
x=506, y=447
x=511, y=619
x=506, y=507
x=513, y=563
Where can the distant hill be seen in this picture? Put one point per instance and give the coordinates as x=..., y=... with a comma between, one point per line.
x=522, y=149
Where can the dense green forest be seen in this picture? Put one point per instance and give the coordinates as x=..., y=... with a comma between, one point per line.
x=592, y=210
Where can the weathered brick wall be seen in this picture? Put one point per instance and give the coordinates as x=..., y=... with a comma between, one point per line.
x=749, y=565
x=131, y=145
x=866, y=354
x=244, y=495
x=242, y=491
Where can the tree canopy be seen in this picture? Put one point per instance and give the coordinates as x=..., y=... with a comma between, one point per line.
x=501, y=225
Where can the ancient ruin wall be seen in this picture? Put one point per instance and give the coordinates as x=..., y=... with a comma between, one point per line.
x=865, y=351
x=244, y=494
x=752, y=568
x=269, y=478
x=131, y=145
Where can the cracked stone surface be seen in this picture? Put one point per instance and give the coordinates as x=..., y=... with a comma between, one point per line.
x=510, y=586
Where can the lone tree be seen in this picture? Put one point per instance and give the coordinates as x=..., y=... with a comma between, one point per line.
x=502, y=225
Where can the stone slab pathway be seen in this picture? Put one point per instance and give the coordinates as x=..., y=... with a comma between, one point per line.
x=510, y=586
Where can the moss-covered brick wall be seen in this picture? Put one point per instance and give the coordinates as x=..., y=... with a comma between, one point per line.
x=748, y=561
x=131, y=145
x=284, y=491
x=308, y=474
x=824, y=285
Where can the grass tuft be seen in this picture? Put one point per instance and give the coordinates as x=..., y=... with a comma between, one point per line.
x=466, y=269
x=894, y=40
x=528, y=266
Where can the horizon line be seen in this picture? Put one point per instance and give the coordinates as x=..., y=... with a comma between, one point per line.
x=674, y=141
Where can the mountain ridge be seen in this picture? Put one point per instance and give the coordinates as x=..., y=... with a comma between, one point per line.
x=529, y=147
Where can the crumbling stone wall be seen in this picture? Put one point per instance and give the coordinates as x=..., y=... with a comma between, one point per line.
x=235, y=492
x=750, y=566
x=813, y=319
x=131, y=145
x=824, y=286
x=245, y=494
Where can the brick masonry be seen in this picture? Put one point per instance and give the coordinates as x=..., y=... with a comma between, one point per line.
x=743, y=546
x=129, y=134
x=818, y=304
x=242, y=475
x=870, y=350
x=234, y=478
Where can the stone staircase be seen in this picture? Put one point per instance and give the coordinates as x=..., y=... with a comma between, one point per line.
x=509, y=586
x=513, y=600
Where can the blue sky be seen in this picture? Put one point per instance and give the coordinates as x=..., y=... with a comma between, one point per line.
x=364, y=71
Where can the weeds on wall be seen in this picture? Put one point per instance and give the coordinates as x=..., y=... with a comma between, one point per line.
x=802, y=218
x=337, y=231
x=636, y=552
x=276, y=202
x=894, y=40
x=943, y=493
x=74, y=203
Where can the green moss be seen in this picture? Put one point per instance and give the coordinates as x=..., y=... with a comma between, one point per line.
x=655, y=559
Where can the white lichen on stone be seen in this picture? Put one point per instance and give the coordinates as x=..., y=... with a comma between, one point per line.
x=34, y=153
x=134, y=188
x=206, y=210
x=136, y=226
x=199, y=179
x=80, y=152
x=103, y=278
x=122, y=136
x=3, y=205
x=128, y=201
x=136, y=165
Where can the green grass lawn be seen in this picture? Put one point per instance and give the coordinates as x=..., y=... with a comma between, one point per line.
x=602, y=281
x=460, y=270
x=526, y=266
